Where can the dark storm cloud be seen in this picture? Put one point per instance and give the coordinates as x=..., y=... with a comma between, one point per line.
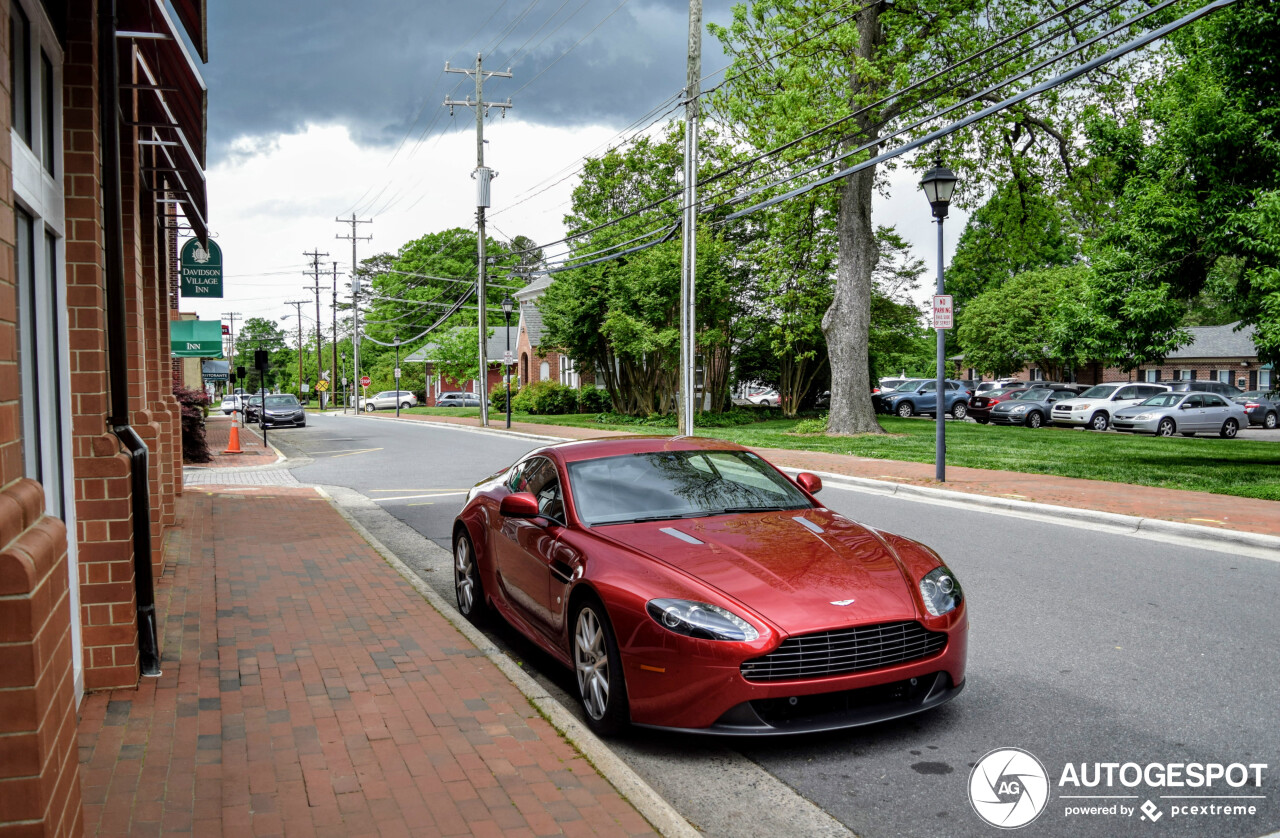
x=377, y=66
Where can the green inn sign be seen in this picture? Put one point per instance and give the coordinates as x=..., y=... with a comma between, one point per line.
x=201, y=269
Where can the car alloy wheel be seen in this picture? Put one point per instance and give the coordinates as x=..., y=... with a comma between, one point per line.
x=960, y=410
x=599, y=670
x=405, y=405
x=466, y=579
x=1165, y=428
x=1034, y=420
x=1229, y=429
x=1099, y=422
x=369, y=408
x=905, y=410
x=1270, y=421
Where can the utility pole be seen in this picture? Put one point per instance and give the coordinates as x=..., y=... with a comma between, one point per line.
x=688, y=261
x=482, y=176
x=231, y=356
x=336, y=373
x=315, y=272
x=355, y=293
x=297, y=307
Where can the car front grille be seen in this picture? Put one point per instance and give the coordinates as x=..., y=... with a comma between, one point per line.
x=845, y=650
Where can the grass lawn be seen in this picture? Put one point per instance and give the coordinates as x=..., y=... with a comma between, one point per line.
x=1241, y=466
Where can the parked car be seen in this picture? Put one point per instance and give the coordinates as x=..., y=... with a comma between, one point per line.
x=252, y=407
x=919, y=396
x=1261, y=407
x=1187, y=413
x=231, y=403
x=1032, y=408
x=765, y=398
x=1094, y=407
x=388, y=399
x=283, y=409
x=457, y=399
x=1185, y=385
x=637, y=561
x=888, y=384
x=980, y=404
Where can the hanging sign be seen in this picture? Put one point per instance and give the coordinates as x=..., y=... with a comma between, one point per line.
x=201, y=269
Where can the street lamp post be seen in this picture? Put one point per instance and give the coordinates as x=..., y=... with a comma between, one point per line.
x=397, y=376
x=938, y=184
x=507, y=305
x=342, y=367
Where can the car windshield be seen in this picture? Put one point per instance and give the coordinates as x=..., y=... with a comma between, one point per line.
x=662, y=485
x=1099, y=392
x=1164, y=400
x=1252, y=394
x=288, y=400
x=1033, y=395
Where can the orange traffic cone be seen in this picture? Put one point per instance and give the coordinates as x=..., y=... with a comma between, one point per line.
x=233, y=445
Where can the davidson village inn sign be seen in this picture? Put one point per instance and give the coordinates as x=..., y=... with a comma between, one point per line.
x=201, y=269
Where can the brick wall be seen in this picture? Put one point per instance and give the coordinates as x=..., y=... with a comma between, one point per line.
x=39, y=781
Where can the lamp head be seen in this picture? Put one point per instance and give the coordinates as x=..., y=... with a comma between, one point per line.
x=939, y=184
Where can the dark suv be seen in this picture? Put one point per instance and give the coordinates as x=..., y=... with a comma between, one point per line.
x=919, y=396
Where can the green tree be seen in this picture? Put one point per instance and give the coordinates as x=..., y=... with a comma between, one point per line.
x=1029, y=319
x=263, y=333
x=800, y=64
x=1197, y=171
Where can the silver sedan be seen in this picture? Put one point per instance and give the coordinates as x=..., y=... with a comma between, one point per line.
x=1184, y=413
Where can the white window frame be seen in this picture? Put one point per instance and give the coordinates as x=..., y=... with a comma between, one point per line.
x=42, y=322
x=544, y=371
x=1264, y=379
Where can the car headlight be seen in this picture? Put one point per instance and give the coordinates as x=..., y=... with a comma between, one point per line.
x=1082, y=407
x=1141, y=417
x=1022, y=408
x=700, y=619
x=940, y=591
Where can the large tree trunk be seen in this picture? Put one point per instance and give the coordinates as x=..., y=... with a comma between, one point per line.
x=847, y=323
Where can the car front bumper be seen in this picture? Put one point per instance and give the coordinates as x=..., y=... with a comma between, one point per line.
x=676, y=688
x=1008, y=418
x=294, y=420
x=1072, y=418
x=1145, y=426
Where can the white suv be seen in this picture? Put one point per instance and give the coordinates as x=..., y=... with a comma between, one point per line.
x=1094, y=407
x=388, y=399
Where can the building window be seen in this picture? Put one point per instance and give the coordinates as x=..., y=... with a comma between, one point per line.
x=1224, y=376
x=20, y=72
x=1264, y=379
x=49, y=131
x=1037, y=374
x=1183, y=375
x=544, y=371
x=1150, y=375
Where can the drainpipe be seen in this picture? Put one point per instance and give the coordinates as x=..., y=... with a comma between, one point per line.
x=117, y=340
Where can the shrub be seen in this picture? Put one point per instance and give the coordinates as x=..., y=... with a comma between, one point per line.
x=809, y=427
x=195, y=447
x=592, y=400
x=546, y=398
x=498, y=396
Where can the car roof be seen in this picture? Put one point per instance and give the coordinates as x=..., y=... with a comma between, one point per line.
x=593, y=449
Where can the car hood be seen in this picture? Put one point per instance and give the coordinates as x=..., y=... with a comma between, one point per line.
x=782, y=569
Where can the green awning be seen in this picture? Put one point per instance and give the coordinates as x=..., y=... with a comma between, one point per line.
x=196, y=338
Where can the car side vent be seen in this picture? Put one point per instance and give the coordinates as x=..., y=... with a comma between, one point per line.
x=683, y=536
x=809, y=525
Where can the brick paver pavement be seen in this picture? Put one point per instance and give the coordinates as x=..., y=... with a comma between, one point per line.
x=217, y=430
x=309, y=690
x=1201, y=508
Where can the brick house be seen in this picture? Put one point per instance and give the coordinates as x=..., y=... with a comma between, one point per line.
x=435, y=384
x=534, y=363
x=103, y=144
x=1221, y=353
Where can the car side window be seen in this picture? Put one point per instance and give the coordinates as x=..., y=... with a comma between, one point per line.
x=1212, y=400
x=513, y=482
x=929, y=387
x=1194, y=400
x=1127, y=393
x=543, y=482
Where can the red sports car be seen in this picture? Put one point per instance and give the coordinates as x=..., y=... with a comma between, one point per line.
x=691, y=585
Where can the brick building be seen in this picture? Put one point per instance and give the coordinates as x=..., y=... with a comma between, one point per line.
x=103, y=147
x=436, y=383
x=533, y=362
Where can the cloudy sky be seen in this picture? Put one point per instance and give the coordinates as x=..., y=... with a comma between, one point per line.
x=339, y=110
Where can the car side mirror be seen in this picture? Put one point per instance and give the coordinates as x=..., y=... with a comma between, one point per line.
x=519, y=505
x=1183, y=406
x=811, y=483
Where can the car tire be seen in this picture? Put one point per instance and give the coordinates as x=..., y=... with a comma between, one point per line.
x=905, y=410
x=369, y=408
x=1165, y=428
x=1229, y=429
x=405, y=405
x=598, y=667
x=1034, y=420
x=960, y=410
x=1269, y=421
x=1100, y=421
x=466, y=579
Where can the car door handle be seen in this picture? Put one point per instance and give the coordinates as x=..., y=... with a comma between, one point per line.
x=562, y=571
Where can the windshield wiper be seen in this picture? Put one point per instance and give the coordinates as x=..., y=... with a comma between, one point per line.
x=733, y=510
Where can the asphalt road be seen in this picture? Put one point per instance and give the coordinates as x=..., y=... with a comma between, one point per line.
x=1085, y=647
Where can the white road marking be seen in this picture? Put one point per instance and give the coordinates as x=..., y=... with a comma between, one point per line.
x=418, y=497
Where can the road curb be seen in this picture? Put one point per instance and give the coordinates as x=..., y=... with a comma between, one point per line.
x=1051, y=512
x=652, y=806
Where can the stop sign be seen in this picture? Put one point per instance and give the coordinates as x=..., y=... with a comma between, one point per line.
x=364, y=380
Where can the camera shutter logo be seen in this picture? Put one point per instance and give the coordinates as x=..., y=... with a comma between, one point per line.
x=1008, y=788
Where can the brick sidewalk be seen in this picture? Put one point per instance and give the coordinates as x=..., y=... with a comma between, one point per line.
x=1201, y=508
x=309, y=690
x=217, y=430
